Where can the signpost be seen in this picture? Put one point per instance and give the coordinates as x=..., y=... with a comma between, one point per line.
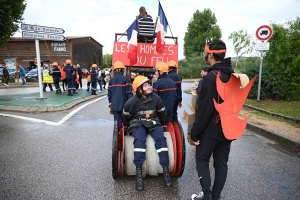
x=41, y=33
x=263, y=33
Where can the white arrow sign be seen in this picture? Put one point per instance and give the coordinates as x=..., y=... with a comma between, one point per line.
x=42, y=36
x=45, y=29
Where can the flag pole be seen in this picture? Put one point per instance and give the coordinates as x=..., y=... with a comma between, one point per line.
x=167, y=20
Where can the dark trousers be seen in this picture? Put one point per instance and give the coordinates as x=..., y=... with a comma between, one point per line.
x=45, y=85
x=74, y=85
x=56, y=84
x=6, y=80
x=175, y=114
x=64, y=83
x=100, y=84
x=70, y=85
x=140, y=135
x=169, y=116
x=220, y=151
x=94, y=87
x=118, y=118
x=88, y=85
x=80, y=81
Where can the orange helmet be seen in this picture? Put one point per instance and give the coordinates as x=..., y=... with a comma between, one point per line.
x=94, y=65
x=162, y=67
x=54, y=64
x=68, y=61
x=119, y=65
x=172, y=63
x=138, y=81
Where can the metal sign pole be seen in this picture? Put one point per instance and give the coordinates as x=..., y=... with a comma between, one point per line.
x=260, y=73
x=37, y=48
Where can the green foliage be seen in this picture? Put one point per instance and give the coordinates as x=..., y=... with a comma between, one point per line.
x=273, y=84
x=11, y=12
x=242, y=42
x=190, y=69
x=202, y=26
x=107, y=59
x=284, y=55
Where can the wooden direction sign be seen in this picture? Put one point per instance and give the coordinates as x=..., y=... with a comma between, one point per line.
x=42, y=36
x=44, y=29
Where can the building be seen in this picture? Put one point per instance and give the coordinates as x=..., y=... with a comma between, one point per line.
x=81, y=50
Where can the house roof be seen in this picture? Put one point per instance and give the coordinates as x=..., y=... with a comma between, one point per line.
x=67, y=38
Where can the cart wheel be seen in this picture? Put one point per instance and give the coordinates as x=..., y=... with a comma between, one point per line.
x=170, y=129
x=180, y=144
x=115, y=151
x=122, y=136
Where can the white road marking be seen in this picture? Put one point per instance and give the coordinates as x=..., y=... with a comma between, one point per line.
x=64, y=119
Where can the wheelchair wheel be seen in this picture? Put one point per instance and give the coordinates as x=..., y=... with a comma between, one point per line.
x=115, y=151
x=180, y=144
x=170, y=129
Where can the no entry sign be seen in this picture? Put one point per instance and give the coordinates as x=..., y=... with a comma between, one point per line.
x=264, y=33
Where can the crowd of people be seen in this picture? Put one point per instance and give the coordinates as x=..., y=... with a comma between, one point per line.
x=68, y=78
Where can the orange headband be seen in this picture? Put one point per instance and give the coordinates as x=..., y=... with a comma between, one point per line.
x=214, y=51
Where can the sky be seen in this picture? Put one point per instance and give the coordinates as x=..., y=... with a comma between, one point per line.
x=101, y=19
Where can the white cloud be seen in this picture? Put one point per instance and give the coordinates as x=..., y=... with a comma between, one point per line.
x=101, y=19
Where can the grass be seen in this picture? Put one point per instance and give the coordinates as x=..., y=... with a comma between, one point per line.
x=287, y=108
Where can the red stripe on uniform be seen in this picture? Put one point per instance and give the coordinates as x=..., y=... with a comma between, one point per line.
x=164, y=90
x=120, y=85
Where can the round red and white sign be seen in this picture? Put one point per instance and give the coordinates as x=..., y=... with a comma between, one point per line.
x=264, y=33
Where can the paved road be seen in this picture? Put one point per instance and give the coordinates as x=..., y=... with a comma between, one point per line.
x=70, y=158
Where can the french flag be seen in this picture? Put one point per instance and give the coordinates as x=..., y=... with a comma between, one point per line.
x=162, y=26
x=132, y=43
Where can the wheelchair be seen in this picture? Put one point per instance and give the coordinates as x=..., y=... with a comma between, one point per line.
x=123, y=155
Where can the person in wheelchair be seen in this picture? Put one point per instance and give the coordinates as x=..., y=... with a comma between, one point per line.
x=145, y=113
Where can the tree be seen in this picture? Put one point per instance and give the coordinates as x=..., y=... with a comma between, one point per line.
x=201, y=27
x=10, y=17
x=107, y=59
x=242, y=42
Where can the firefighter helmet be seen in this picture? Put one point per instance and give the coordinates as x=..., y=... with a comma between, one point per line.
x=172, y=63
x=138, y=81
x=94, y=65
x=54, y=64
x=162, y=67
x=119, y=65
x=68, y=61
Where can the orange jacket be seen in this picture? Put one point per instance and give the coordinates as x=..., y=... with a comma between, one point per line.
x=63, y=73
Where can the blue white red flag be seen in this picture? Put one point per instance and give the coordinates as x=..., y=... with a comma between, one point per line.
x=162, y=25
x=132, y=43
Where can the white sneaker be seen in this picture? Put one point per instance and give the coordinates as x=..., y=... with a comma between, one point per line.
x=5, y=84
x=199, y=196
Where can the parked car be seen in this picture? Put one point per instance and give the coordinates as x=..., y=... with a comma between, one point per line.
x=12, y=74
x=32, y=75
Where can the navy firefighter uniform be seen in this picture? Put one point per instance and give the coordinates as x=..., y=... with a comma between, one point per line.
x=145, y=113
x=70, y=72
x=94, y=79
x=177, y=79
x=56, y=77
x=165, y=88
x=119, y=91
